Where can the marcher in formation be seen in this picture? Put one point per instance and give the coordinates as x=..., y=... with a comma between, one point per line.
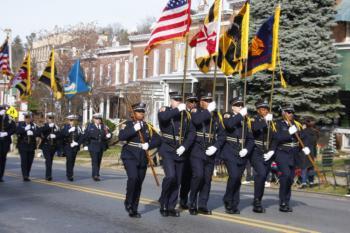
x=191, y=139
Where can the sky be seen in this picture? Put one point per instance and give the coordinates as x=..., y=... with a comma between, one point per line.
x=27, y=16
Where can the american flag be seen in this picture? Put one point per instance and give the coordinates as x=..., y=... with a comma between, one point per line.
x=4, y=59
x=174, y=23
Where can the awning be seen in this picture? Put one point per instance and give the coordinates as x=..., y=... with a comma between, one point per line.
x=343, y=11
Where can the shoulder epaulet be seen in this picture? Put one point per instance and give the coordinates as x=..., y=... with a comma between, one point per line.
x=298, y=124
x=249, y=122
x=221, y=120
x=273, y=126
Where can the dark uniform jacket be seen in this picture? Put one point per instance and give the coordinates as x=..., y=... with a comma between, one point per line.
x=132, y=149
x=234, y=127
x=260, y=132
x=25, y=142
x=48, y=143
x=201, y=122
x=9, y=126
x=69, y=137
x=95, y=139
x=169, y=123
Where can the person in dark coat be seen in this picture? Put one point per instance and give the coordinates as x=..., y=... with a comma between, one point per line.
x=285, y=149
x=71, y=134
x=134, y=155
x=312, y=134
x=50, y=137
x=210, y=137
x=235, y=153
x=7, y=129
x=191, y=106
x=95, y=140
x=176, y=140
x=27, y=132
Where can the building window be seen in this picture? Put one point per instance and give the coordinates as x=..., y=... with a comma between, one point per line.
x=167, y=61
x=145, y=67
x=126, y=71
x=134, y=77
x=155, y=62
x=117, y=72
x=101, y=73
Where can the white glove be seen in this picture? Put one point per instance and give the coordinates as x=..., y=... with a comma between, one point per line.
x=108, y=135
x=211, y=106
x=51, y=125
x=268, y=155
x=243, y=152
x=137, y=126
x=2, y=112
x=306, y=150
x=180, y=150
x=86, y=148
x=145, y=146
x=211, y=150
x=72, y=129
x=181, y=107
x=243, y=111
x=52, y=136
x=30, y=133
x=73, y=144
x=269, y=117
x=3, y=134
x=27, y=127
x=292, y=130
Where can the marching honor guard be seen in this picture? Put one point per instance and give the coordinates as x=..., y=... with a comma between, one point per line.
x=96, y=137
x=71, y=133
x=210, y=137
x=26, y=131
x=262, y=128
x=235, y=153
x=139, y=137
x=50, y=135
x=285, y=149
x=191, y=105
x=7, y=128
x=176, y=140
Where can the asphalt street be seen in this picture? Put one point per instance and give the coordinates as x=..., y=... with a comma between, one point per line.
x=83, y=206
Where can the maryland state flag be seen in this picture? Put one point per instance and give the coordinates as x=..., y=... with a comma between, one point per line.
x=49, y=77
x=264, y=46
x=22, y=80
x=205, y=40
x=233, y=46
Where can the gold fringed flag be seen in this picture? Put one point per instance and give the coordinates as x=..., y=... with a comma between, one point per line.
x=49, y=77
x=264, y=46
x=205, y=41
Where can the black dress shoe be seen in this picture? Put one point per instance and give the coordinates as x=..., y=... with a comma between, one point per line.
x=183, y=205
x=233, y=211
x=26, y=179
x=49, y=178
x=163, y=211
x=285, y=208
x=257, y=207
x=96, y=178
x=134, y=214
x=202, y=210
x=173, y=213
x=193, y=211
x=70, y=178
x=228, y=206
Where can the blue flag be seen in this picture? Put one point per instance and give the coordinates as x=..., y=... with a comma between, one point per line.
x=77, y=83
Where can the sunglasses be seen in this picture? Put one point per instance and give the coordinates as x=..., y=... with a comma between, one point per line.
x=238, y=105
x=289, y=112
